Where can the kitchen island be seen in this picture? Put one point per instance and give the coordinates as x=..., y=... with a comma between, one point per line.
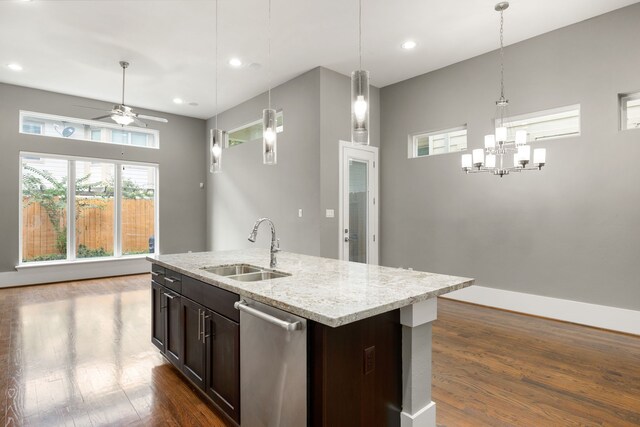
x=366, y=350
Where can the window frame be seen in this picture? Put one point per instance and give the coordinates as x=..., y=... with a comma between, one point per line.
x=413, y=141
x=509, y=122
x=71, y=211
x=31, y=115
x=623, y=98
x=279, y=129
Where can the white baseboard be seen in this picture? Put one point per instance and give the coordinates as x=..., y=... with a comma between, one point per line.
x=76, y=271
x=599, y=316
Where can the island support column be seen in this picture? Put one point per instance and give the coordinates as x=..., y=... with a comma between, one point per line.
x=418, y=410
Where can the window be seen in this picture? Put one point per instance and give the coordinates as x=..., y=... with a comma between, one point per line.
x=630, y=111
x=438, y=142
x=110, y=211
x=542, y=125
x=252, y=131
x=87, y=130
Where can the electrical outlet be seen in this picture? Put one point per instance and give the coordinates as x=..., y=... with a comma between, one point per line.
x=330, y=213
x=369, y=359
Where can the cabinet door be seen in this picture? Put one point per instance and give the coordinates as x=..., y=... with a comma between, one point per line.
x=193, y=356
x=157, y=316
x=223, y=363
x=173, y=330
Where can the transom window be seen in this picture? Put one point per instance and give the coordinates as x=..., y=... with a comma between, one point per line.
x=252, y=131
x=630, y=111
x=438, y=142
x=87, y=130
x=556, y=123
x=77, y=208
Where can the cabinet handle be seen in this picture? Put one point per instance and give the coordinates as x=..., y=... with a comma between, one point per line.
x=169, y=295
x=154, y=274
x=170, y=280
x=204, y=335
x=199, y=323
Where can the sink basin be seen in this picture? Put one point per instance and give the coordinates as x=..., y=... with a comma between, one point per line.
x=245, y=272
x=260, y=275
x=233, y=269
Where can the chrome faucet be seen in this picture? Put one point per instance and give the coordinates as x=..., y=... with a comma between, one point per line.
x=275, y=243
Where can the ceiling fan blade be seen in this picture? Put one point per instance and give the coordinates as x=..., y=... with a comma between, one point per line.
x=139, y=123
x=155, y=119
x=91, y=108
x=101, y=117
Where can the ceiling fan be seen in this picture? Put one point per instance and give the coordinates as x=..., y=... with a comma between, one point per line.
x=124, y=115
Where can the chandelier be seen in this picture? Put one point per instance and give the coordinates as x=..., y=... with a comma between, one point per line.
x=498, y=150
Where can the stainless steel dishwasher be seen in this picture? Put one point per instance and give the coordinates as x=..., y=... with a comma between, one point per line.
x=273, y=366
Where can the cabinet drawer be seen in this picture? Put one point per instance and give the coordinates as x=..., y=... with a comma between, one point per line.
x=173, y=280
x=157, y=274
x=213, y=298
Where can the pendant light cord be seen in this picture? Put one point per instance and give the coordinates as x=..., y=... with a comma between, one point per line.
x=216, y=73
x=269, y=54
x=360, y=31
x=123, y=72
x=502, y=55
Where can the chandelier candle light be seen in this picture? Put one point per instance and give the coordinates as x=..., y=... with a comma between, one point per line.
x=217, y=137
x=269, y=128
x=360, y=95
x=496, y=146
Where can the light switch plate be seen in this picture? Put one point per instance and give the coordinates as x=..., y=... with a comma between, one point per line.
x=330, y=213
x=300, y=213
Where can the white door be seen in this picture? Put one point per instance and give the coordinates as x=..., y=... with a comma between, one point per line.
x=358, y=203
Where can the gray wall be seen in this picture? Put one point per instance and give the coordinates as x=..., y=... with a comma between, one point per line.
x=182, y=168
x=317, y=110
x=247, y=189
x=571, y=231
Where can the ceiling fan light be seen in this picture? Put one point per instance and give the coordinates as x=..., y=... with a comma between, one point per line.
x=122, y=120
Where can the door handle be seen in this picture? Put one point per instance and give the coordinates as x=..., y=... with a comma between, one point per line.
x=204, y=329
x=199, y=324
x=169, y=295
x=346, y=239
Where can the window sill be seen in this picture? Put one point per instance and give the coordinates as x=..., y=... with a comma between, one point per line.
x=28, y=265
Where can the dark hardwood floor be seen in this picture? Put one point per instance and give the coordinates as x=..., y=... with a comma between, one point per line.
x=79, y=353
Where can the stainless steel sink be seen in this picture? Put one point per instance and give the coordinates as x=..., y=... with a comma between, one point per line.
x=232, y=270
x=245, y=272
x=260, y=275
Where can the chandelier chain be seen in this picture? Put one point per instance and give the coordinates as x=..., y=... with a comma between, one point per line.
x=216, y=70
x=502, y=55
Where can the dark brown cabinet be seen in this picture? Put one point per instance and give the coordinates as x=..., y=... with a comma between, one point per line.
x=201, y=337
x=223, y=363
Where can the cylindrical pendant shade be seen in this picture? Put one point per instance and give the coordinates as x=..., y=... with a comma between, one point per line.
x=489, y=141
x=269, y=137
x=501, y=134
x=524, y=154
x=217, y=140
x=360, y=107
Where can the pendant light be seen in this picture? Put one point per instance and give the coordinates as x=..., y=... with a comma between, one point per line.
x=496, y=145
x=217, y=137
x=360, y=94
x=269, y=128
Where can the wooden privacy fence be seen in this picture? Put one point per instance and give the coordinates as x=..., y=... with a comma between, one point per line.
x=94, y=227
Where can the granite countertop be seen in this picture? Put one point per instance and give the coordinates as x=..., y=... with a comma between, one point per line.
x=324, y=290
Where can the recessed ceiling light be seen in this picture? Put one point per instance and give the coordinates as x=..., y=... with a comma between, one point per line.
x=178, y=101
x=235, y=62
x=409, y=44
x=15, y=67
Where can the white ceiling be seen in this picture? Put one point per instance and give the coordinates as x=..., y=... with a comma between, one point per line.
x=74, y=46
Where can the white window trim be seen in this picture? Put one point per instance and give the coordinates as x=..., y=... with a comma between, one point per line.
x=71, y=225
x=509, y=121
x=413, y=144
x=94, y=123
x=622, y=99
x=279, y=129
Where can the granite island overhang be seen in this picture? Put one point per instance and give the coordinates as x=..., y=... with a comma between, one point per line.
x=335, y=294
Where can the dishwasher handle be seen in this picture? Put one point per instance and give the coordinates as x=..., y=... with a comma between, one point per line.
x=289, y=326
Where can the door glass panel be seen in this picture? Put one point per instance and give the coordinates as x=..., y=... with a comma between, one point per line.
x=138, y=209
x=95, y=208
x=358, y=203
